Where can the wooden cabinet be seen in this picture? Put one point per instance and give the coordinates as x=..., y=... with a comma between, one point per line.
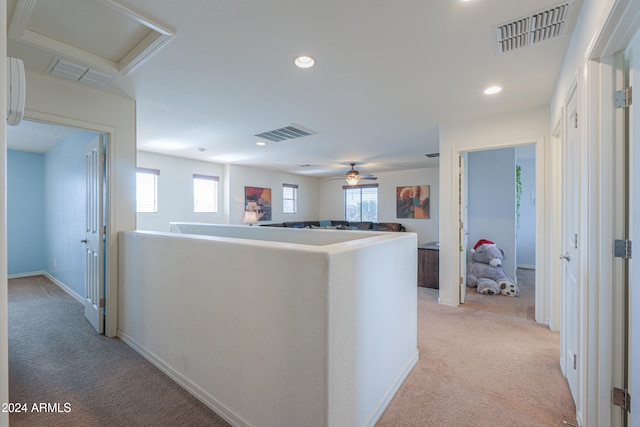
x=428, y=266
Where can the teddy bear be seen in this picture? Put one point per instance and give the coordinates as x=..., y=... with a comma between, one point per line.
x=485, y=272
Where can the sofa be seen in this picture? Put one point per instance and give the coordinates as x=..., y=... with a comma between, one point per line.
x=341, y=225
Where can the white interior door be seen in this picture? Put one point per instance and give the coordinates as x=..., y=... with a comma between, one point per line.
x=570, y=280
x=94, y=235
x=463, y=209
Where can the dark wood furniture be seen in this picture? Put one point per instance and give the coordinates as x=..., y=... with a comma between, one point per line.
x=428, y=265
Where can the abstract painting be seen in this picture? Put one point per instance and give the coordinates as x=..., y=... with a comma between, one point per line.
x=258, y=199
x=412, y=201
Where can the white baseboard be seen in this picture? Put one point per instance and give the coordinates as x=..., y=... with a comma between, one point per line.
x=64, y=287
x=32, y=273
x=377, y=412
x=185, y=383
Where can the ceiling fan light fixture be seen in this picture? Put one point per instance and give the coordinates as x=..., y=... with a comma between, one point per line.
x=353, y=179
x=353, y=176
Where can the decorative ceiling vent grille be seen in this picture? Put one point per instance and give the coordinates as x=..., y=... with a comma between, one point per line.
x=433, y=155
x=535, y=28
x=283, y=134
x=79, y=73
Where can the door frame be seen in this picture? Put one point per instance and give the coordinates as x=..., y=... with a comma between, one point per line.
x=111, y=250
x=542, y=293
x=607, y=338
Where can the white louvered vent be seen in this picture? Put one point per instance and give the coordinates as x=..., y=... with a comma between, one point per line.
x=288, y=132
x=79, y=73
x=538, y=27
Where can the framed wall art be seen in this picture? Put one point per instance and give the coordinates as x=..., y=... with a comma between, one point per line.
x=412, y=201
x=258, y=199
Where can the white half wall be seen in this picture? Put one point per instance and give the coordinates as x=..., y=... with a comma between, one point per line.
x=275, y=333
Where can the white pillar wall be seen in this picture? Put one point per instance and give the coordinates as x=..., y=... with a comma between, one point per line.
x=321, y=324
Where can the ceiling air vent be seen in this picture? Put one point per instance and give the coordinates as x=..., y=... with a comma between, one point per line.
x=289, y=132
x=433, y=155
x=538, y=27
x=73, y=71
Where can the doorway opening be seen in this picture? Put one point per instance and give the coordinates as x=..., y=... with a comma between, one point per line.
x=500, y=206
x=47, y=211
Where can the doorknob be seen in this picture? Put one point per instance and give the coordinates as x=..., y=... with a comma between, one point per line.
x=566, y=257
x=83, y=241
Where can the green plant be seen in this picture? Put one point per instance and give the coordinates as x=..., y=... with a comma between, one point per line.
x=518, y=196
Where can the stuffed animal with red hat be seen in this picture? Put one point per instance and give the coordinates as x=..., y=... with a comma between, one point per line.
x=485, y=272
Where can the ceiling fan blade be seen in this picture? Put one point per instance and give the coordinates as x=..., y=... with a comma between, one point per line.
x=368, y=176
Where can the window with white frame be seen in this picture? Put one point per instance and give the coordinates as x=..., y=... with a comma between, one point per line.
x=147, y=190
x=205, y=193
x=361, y=202
x=289, y=198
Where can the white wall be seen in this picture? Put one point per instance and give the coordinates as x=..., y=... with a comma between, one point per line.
x=317, y=198
x=332, y=200
x=175, y=191
x=491, y=199
x=276, y=334
x=499, y=131
x=4, y=342
x=604, y=28
x=240, y=176
x=58, y=101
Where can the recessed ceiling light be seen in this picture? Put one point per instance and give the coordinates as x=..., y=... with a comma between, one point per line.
x=304, y=61
x=202, y=149
x=261, y=143
x=492, y=90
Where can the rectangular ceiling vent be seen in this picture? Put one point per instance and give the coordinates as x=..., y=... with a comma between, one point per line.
x=283, y=134
x=538, y=27
x=79, y=73
x=433, y=155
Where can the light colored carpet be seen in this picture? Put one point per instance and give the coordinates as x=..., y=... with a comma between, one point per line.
x=486, y=363
x=55, y=356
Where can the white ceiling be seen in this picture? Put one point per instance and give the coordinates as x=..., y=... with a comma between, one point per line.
x=386, y=74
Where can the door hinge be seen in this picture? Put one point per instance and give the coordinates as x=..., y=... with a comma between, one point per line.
x=101, y=302
x=104, y=230
x=575, y=121
x=621, y=398
x=461, y=281
x=623, y=98
x=622, y=248
x=575, y=361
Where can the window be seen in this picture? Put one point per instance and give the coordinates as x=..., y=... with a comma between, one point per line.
x=147, y=190
x=361, y=202
x=205, y=193
x=289, y=198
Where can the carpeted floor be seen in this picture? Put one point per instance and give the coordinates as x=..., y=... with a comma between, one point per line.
x=486, y=363
x=56, y=357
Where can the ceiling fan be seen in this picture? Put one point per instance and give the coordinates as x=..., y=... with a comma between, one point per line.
x=353, y=176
